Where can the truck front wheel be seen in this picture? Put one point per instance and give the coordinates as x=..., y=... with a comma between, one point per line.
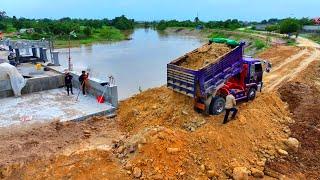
x=251, y=94
x=217, y=105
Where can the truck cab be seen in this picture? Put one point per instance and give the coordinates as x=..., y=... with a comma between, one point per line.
x=246, y=84
x=254, y=76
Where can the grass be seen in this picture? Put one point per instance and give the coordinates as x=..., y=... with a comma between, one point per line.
x=259, y=44
x=105, y=34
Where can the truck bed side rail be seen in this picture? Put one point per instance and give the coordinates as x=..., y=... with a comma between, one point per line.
x=214, y=75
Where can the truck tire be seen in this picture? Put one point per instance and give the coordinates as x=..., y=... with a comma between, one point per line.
x=217, y=105
x=251, y=94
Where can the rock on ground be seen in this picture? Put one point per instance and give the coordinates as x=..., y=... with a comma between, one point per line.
x=292, y=143
x=137, y=172
x=256, y=173
x=240, y=173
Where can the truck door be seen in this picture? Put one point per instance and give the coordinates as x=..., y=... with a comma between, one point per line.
x=258, y=72
x=255, y=73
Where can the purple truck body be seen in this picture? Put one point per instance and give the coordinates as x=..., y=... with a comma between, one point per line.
x=210, y=77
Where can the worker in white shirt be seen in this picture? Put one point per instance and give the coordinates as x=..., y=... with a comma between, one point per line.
x=230, y=106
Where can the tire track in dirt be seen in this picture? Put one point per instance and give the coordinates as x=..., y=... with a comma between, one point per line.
x=290, y=68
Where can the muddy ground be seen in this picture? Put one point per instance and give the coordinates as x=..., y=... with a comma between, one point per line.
x=157, y=135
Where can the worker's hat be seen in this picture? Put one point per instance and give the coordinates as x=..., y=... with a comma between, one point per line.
x=233, y=92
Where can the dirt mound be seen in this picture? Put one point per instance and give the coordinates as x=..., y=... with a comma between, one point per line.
x=86, y=165
x=304, y=103
x=212, y=148
x=205, y=55
x=44, y=140
x=158, y=106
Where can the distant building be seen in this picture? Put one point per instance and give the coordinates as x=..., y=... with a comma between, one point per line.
x=316, y=20
x=261, y=27
x=29, y=31
x=311, y=28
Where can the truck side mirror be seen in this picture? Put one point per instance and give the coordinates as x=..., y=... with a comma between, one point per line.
x=268, y=66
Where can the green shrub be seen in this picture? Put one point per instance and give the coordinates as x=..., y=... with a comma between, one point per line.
x=3, y=26
x=259, y=44
x=218, y=35
x=110, y=33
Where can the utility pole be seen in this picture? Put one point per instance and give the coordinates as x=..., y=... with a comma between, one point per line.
x=72, y=33
x=69, y=61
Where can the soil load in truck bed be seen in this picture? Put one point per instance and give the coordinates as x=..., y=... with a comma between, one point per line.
x=205, y=55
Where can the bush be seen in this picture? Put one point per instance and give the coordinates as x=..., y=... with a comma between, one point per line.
x=161, y=26
x=272, y=28
x=259, y=44
x=87, y=31
x=218, y=35
x=3, y=27
x=110, y=33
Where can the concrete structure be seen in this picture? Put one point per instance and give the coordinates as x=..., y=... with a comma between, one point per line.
x=316, y=20
x=43, y=100
x=46, y=106
x=40, y=46
x=311, y=28
x=111, y=92
x=36, y=81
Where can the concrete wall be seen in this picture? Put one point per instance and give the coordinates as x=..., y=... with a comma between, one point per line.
x=43, y=83
x=5, y=89
x=32, y=85
x=95, y=89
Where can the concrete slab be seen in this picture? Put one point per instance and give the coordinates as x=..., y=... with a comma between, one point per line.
x=49, y=105
x=28, y=69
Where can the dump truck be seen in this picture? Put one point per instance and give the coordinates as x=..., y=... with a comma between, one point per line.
x=211, y=83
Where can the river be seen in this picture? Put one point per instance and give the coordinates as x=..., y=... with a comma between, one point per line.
x=140, y=62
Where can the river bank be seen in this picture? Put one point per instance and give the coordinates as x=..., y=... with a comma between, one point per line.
x=255, y=42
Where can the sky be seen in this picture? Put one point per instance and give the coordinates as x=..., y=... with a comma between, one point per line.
x=149, y=10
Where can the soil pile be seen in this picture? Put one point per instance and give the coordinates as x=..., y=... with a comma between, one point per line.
x=42, y=141
x=205, y=55
x=303, y=100
x=86, y=165
x=210, y=149
x=158, y=106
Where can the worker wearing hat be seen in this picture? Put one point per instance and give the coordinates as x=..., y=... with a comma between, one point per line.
x=68, y=82
x=230, y=106
x=83, y=81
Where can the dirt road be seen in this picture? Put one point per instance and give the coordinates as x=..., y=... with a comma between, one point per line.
x=291, y=67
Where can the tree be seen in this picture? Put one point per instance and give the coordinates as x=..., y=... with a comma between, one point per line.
x=123, y=23
x=288, y=26
x=3, y=15
x=196, y=20
x=272, y=28
x=162, y=25
x=3, y=26
x=306, y=21
x=87, y=31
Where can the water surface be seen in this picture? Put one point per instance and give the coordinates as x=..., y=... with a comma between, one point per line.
x=140, y=62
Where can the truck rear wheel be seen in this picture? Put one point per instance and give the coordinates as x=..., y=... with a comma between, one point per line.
x=217, y=105
x=251, y=94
